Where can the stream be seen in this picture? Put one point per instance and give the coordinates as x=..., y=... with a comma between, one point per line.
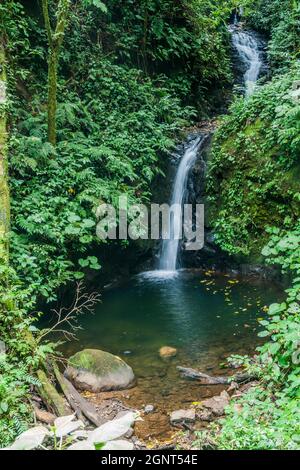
x=205, y=315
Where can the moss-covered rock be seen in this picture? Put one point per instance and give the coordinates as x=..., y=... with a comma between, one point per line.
x=95, y=370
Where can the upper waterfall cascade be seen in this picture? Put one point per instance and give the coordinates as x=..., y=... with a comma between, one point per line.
x=248, y=50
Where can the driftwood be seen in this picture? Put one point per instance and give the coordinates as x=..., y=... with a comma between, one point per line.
x=79, y=404
x=44, y=416
x=205, y=379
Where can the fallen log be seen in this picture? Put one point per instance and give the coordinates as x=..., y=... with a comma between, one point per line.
x=205, y=379
x=79, y=404
x=50, y=396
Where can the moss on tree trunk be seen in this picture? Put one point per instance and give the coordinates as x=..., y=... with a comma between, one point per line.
x=55, y=39
x=4, y=188
x=52, y=96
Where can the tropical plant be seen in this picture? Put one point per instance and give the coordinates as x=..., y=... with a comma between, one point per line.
x=65, y=435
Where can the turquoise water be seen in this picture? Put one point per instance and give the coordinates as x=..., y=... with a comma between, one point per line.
x=205, y=316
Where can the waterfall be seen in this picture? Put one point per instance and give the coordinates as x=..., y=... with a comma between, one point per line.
x=170, y=246
x=248, y=51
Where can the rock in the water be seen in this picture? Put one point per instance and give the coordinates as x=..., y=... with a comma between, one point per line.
x=149, y=409
x=217, y=404
x=182, y=416
x=96, y=371
x=167, y=351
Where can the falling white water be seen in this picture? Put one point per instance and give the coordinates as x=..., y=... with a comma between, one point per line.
x=170, y=246
x=248, y=50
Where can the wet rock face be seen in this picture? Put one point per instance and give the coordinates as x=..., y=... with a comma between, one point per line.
x=210, y=254
x=96, y=371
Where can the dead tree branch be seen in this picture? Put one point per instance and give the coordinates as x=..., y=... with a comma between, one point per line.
x=67, y=317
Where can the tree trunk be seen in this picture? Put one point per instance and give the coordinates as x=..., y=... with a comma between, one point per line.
x=55, y=39
x=4, y=188
x=52, y=95
x=145, y=36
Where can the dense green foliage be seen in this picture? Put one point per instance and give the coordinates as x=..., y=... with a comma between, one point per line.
x=132, y=75
x=267, y=416
x=107, y=146
x=115, y=122
x=15, y=411
x=184, y=42
x=280, y=20
x=254, y=170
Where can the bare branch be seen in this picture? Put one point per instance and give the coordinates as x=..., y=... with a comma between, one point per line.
x=67, y=317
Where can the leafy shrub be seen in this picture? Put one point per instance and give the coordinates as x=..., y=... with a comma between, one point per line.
x=65, y=434
x=267, y=416
x=15, y=411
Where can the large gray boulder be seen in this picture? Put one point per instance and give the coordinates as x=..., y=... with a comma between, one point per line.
x=97, y=371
